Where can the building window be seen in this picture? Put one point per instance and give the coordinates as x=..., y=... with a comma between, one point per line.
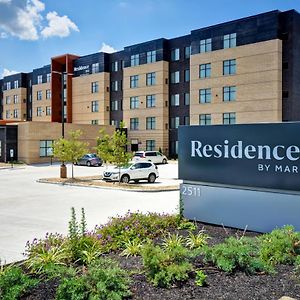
x=39, y=95
x=48, y=94
x=114, y=66
x=30, y=113
x=46, y=148
x=187, y=52
x=175, y=54
x=40, y=79
x=229, y=93
x=229, y=118
x=151, y=57
x=115, y=123
x=48, y=110
x=8, y=85
x=205, y=119
x=186, y=98
x=187, y=75
x=134, y=81
x=229, y=67
x=16, y=113
x=174, y=147
x=39, y=111
x=48, y=77
x=205, y=96
x=205, y=70
x=114, y=86
x=16, y=84
x=134, y=102
x=95, y=87
x=16, y=99
x=151, y=78
x=150, y=145
x=7, y=114
x=150, y=101
x=175, y=100
x=186, y=120
x=7, y=100
x=114, y=105
x=175, y=77
x=174, y=124
x=95, y=106
x=95, y=68
x=229, y=40
x=205, y=45
x=150, y=123
x=134, y=123
x=134, y=60
x=94, y=122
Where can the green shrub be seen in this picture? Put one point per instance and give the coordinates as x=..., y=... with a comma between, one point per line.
x=132, y=248
x=237, y=254
x=72, y=288
x=172, y=241
x=134, y=226
x=200, y=278
x=281, y=246
x=166, y=266
x=196, y=241
x=56, y=255
x=103, y=280
x=14, y=283
x=297, y=265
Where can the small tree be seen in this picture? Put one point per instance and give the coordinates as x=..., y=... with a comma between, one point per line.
x=119, y=143
x=104, y=148
x=70, y=150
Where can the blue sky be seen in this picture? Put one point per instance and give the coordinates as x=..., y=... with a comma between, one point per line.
x=32, y=31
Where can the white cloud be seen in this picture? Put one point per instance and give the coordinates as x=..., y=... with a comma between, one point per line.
x=58, y=26
x=7, y=72
x=3, y=35
x=107, y=49
x=24, y=20
x=21, y=18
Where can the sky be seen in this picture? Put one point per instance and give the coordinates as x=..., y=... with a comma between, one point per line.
x=33, y=31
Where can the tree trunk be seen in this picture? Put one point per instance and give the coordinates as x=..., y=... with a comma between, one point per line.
x=72, y=170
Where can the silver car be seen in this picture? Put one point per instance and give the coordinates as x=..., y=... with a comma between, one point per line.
x=155, y=156
x=134, y=171
x=89, y=160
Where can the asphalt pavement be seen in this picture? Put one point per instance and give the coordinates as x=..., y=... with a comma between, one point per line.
x=29, y=209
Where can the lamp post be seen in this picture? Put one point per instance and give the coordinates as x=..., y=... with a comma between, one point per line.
x=63, y=168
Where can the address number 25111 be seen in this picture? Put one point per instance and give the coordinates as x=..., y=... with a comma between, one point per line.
x=189, y=190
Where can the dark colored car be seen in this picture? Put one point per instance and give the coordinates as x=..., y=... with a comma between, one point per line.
x=89, y=160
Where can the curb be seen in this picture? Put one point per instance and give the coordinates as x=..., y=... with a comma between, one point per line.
x=153, y=190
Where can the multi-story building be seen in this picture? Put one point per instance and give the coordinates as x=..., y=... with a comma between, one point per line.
x=242, y=71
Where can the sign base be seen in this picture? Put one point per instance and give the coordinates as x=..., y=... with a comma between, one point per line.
x=240, y=208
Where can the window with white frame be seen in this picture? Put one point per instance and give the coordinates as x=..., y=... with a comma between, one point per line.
x=175, y=54
x=16, y=84
x=134, y=81
x=39, y=111
x=175, y=100
x=175, y=77
x=134, y=60
x=16, y=99
x=95, y=68
x=39, y=95
x=40, y=79
x=95, y=106
x=48, y=77
x=95, y=87
x=48, y=110
x=48, y=94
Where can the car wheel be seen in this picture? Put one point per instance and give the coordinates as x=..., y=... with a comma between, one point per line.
x=125, y=179
x=136, y=181
x=151, y=178
x=88, y=163
x=164, y=161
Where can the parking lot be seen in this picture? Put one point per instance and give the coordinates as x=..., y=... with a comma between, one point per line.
x=29, y=209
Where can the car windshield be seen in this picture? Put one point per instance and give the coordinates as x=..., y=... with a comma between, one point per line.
x=139, y=154
x=124, y=167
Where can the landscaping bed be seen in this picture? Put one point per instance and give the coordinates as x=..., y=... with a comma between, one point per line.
x=158, y=257
x=95, y=181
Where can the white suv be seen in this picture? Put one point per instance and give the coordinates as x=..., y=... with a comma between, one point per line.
x=155, y=156
x=135, y=171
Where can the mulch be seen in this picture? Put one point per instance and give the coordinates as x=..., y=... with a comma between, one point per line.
x=220, y=285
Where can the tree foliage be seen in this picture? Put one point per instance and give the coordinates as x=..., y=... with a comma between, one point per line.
x=71, y=149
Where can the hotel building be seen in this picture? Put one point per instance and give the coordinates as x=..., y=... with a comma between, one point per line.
x=242, y=71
